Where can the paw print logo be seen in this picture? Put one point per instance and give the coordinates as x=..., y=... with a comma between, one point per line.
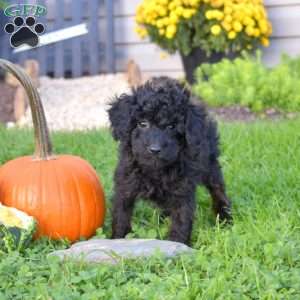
x=24, y=31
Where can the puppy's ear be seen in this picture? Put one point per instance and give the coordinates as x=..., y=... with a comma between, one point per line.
x=195, y=130
x=120, y=115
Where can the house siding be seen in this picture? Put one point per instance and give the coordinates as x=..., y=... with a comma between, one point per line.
x=284, y=15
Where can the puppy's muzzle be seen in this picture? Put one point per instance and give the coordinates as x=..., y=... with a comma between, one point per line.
x=154, y=149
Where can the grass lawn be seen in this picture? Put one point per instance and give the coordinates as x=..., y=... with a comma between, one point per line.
x=257, y=258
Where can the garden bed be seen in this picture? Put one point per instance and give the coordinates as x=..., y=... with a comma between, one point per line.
x=244, y=114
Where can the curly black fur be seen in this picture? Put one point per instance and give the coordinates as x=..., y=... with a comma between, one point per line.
x=167, y=146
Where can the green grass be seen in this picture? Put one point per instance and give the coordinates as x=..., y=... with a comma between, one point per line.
x=257, y=258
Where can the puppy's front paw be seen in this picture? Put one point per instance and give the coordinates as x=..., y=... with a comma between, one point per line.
x=225, y=215
x=120, y=231
x=175, y=237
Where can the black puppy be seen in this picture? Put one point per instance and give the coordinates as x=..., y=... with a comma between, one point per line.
x=167, y=146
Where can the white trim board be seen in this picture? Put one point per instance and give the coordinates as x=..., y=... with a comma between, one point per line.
x=56, y=36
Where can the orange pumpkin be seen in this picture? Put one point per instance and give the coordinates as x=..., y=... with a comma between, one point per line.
x=62, y=192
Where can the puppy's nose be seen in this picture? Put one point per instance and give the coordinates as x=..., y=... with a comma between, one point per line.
x=154, y=149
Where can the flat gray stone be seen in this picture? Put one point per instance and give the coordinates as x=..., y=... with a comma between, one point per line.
x=112, y=251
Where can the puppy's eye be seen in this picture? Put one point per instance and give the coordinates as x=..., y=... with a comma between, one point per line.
x=143, y=124
x=170, y=126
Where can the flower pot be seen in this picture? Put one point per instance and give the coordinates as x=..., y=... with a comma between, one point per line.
x=198, y=57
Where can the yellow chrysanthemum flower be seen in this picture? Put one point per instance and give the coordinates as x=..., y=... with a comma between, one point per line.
x=187, y=13
x=237, y=26
x=270, y=29
x=231, y=35
x=265, y=42
x=161, y=11
x=216, y=3
x=165, y=21
x=256, y=32
x=161, y=31
x=226, y=26
x=171, y=6
x=171, y=31
x=216, y=29
x=239, y=15
x=219, y=15
x=250, y=30
x=209, y=14
x=173, y=18
x=160, y=23
x=194, y=3
x=230, y=16
x=228, y=10
x=179, y=10
x=263, y=26
x=141, y=31
x=247, y=21
x=178, y=2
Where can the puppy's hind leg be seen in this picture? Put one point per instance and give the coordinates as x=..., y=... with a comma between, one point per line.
x=214, y=182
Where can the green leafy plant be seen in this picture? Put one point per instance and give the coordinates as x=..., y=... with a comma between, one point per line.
x=248, y=82
x=293, y=64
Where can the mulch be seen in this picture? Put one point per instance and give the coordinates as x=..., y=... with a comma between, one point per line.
x=244, y=114
x=6, y=103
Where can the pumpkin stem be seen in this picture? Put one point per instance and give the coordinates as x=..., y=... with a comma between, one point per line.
x=43, y=146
